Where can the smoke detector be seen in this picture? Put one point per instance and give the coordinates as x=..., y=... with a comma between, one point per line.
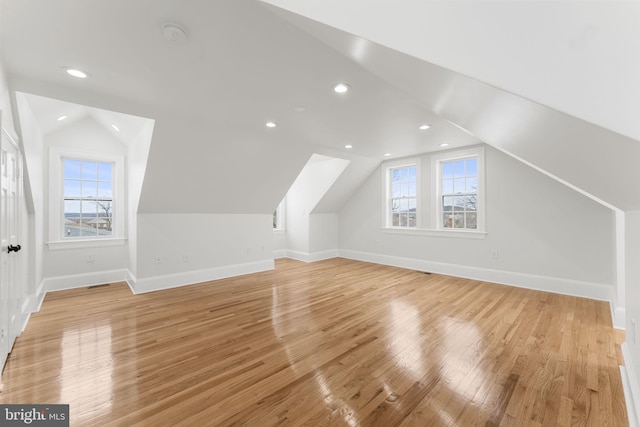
x=173, y=32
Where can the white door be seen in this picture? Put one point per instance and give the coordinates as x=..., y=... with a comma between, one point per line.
x=9, y=248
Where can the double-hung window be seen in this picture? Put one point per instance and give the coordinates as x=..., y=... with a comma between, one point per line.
x=88, y=198
x=453, y=193
x=402, y=195
x=459, y=190
x=460, y=194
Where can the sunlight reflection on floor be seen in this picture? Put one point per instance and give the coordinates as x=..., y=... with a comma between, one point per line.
x=87, y=369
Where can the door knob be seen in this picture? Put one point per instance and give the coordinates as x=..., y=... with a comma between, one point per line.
x=15, y=248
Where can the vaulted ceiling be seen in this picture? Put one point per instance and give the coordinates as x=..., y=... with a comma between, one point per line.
x=244, y=63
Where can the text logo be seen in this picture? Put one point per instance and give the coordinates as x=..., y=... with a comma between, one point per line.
x=34, y=415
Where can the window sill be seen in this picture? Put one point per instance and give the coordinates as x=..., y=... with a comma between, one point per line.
x=89, y=243
x=458, y=234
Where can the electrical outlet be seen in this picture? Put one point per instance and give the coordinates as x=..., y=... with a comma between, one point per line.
x=186, y=258
x=90, y=258
x=495, y=255
x=158, y=260
x=248, y=250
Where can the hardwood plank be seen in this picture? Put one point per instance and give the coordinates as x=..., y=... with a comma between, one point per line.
x=332, y=343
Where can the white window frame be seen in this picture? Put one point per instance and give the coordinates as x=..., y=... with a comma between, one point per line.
x=437, y=160
x=386, y=179
x=57, y=240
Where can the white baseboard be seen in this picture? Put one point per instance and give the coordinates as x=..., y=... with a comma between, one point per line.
x=131, y=282
x=619, y=317
x=556, y=285
x=25, y=321
x=28, y=306
x=39, y=297
x=83, y=280
x=32, y=305
x=631, y=387
x=33, y=302
x=279, y=253
x=297, y=255
x=156, y=283
x=311, y=256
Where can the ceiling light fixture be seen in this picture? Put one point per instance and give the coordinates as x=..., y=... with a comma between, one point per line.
x=173, y=32
x=76, y=73
x=116, y=128
x=444, y=144
x=387, y=154
x=341, y=88
x=271, y=124
x=424, y=127
x=61, y=118
x=348, y=146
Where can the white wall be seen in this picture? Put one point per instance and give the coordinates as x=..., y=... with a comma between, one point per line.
x=180, y=249
x=297, y=218
x=138, y=152
x=34, y=155
x=631, y=347
x=323, y=232
x=311, y=185
x=279, y=243
x=60, y=266
x=5, y=104
x=545, y=233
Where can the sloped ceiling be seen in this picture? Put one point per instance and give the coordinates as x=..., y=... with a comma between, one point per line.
x=49, y=112
x=210, y=96
x=598, y=162
x=578, y=57
x=245, y=63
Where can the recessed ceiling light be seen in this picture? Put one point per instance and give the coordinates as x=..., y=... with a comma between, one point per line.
x=387, y=154
x=61, y=118
x=424, y=127
x=444, y=144
x=341, y=88
x=348, y=146
x=76, y=73
x=116, y=128
x=270, y=124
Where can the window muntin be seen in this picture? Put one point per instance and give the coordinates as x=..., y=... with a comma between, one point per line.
x=87, y=198
x=403, y=197
x=455, y=186
x=57, y=239
x=459, y=194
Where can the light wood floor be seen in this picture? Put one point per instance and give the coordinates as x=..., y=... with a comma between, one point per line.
x=334, y=343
